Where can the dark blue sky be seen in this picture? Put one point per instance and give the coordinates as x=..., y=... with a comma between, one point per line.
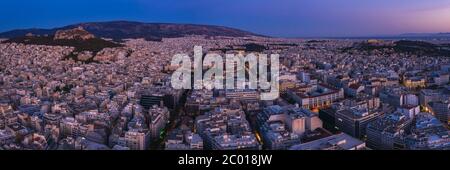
x=286, y=18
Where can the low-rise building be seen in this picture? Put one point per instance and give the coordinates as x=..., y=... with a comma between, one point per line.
x=340, y=141
x=316, y=96
x=428, y=133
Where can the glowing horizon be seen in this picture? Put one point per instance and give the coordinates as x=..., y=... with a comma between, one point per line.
x=285, y=18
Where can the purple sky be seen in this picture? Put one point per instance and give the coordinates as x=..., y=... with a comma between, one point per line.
x=286, y=18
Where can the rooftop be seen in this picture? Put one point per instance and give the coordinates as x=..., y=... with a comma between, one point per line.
x=340, y=141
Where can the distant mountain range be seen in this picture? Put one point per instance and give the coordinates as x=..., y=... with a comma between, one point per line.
x=442, y=34
x=118, y=30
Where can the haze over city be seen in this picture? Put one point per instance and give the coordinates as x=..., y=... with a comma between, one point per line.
x=285, y=18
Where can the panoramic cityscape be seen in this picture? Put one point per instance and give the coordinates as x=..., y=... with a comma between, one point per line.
x=107, y=83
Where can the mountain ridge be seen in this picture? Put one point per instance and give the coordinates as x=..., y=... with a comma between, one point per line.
x=132, y=29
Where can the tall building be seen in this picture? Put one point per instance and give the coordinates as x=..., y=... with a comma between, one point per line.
x=137, y=140
x=388, y=131
x=161, y=96
x=328, y=115
x=353, y=121
x=147, y=101
x=441, y=109
x=159, y=116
